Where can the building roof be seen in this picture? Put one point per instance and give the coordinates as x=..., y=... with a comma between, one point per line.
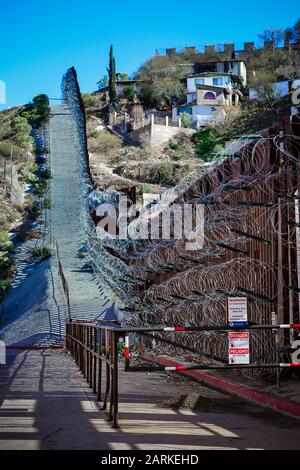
x=211, y=74
x=212, y=88
x=235, y=78
x=126, y=82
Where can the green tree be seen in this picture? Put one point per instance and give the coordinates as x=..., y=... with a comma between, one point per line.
x=293, y=33
x=38, y=111
x=164, y=82
x=123, y=76
x=291, y=68
x=41, y=103
x=112, y=77
x=103, y=82
x=274, y=36
x=130, y=93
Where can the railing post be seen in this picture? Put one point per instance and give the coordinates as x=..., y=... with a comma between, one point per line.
x=107, y=359
x=99, y=366
x=85, y=371
x=80, y=347
x=94, y=338
x=126, y=351
x=90, y=356
x=114, y=394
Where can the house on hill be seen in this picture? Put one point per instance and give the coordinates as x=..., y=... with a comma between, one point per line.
x=122, y=85
x=208, y=96
x=235, y=67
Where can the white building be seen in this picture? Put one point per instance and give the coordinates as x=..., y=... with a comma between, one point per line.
x=235, y=67
x=281, y=88
x=207, y=97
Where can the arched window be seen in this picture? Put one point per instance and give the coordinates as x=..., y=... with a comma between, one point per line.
x=209, y=96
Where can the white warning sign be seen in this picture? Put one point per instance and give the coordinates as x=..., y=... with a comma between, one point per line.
x=238, y=347
x=237, y=309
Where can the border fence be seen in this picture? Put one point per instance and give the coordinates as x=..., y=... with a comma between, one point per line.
x=251, y=247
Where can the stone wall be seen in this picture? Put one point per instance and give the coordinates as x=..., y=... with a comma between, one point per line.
x=155, y=135
x=160, y=134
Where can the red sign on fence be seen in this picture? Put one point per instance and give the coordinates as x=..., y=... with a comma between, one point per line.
x=238, y=347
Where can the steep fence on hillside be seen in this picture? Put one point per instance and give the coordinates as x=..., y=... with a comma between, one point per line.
x=72, y=97
x=104, y=263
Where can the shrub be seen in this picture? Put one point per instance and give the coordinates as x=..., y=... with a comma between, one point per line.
x=106, y=143
x=7, y=264
x=39, y=187
x=89, y=100
x=4, y=284
x=165, y=173
x=45, y=173
x=144, y=189
x=33, y=212
x=21, y=130
x=5, y=242
x=5, y=150
x=186, y=119
x=205, y=141
x=174, y=146
x=95, y=133
x=47, y=202
x=4, y=126
x=43, y=252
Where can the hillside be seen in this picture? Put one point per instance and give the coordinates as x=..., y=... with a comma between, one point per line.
x=114, y=163
x=22, y=182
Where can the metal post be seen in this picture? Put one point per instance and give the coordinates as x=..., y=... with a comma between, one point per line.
x=115, y=380
x=99, y=366
x=90, y=356
x=126, y=351
x=94, y=338
x=107, y=360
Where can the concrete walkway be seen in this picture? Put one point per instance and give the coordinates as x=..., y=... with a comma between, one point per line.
x=46, y=404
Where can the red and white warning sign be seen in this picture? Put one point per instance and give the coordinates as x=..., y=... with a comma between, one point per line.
x=238, y=347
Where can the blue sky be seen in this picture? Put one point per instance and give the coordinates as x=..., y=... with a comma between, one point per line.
x=41, y=39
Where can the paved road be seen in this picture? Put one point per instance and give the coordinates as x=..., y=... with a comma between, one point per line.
x=46, y=404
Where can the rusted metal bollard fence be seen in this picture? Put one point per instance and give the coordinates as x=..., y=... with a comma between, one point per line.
x=92, y=344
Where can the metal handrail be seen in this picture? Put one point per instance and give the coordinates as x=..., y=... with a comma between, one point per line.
x=92, y=344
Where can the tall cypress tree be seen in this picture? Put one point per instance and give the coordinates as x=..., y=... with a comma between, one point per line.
x=112, y=77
